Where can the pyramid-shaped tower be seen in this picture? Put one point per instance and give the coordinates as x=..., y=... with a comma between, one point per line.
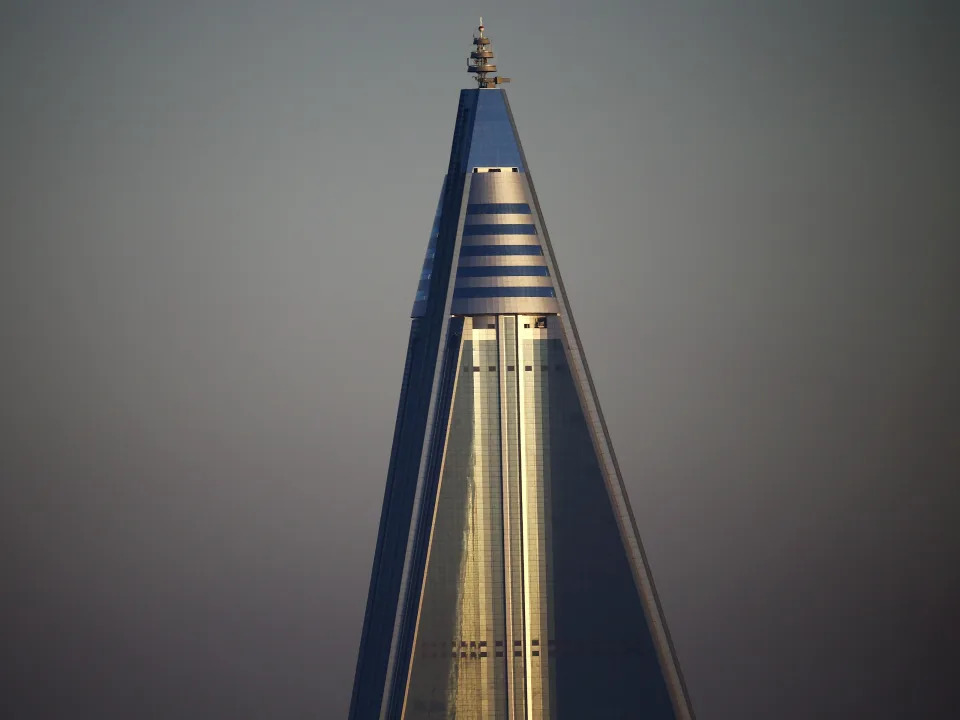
x=509, y=580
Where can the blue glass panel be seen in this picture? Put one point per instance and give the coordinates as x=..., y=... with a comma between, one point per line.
x=493, y=143
x=498, y=209
x=503, y=271
x=495, y=292
x=474, y=250
x=505, y=229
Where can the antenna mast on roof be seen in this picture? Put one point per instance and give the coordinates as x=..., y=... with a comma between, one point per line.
x=481, y=61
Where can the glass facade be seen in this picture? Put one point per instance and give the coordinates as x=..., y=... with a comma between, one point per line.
x=423, y=288
x=498, y=209
x=468, y=250
x=491, y=292
x=456, y=671
x=500, y=229
x=508, y=270
x=604, y=662
x=528, y=598
x=494, y=142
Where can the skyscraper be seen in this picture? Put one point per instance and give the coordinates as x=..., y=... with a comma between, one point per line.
x=509, y=580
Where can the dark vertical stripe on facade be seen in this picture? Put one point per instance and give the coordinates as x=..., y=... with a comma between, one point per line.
x=428, y=500
x=398, y=510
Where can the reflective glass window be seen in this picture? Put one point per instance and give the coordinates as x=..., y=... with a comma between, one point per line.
x=503, y=271
x=498, y=209
x=505, y=229
x=494, y=292
x=474, y=250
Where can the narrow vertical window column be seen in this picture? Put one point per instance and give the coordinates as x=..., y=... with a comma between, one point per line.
x=533, y=437
x=512, y=520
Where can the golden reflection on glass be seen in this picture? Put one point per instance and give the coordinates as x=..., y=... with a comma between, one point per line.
x=484, y=631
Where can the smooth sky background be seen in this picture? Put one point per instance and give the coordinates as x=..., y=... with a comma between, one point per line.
x=212, y=220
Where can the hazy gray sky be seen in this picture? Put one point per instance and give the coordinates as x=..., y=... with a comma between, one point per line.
x=212, y=219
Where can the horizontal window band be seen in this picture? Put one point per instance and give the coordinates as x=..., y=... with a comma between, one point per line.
x=497, y=240
x=498, y=208
x=471, y=250
x=502, y=219
x=501, y=260
x=504, y=229
x=503, y=270
x=504, y=305
x=500, y=292
x=504, y=281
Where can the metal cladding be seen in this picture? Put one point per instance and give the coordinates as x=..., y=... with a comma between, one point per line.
x=509, y=582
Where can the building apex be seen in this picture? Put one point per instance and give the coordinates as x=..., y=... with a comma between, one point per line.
x=481, y=61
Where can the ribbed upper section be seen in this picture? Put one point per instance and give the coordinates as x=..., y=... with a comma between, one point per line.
x=501, y=267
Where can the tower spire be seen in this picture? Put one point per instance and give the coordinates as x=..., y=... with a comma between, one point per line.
x=481, y=61
x=509, y=580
